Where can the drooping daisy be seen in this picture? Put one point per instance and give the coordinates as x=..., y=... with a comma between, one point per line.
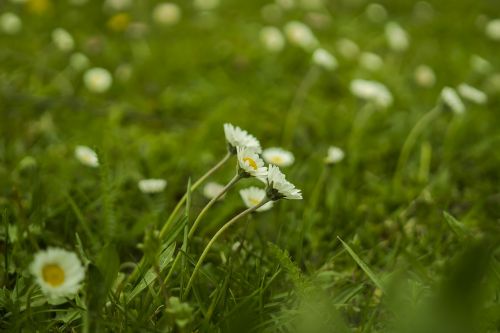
x=166, y=14
x=278, y=187
x=152, y=185
x=58, y=272
x=236, y=137
x=86, y=156
x=252, y=196
x=97, y=80
x=334, y=155
x=63, y=40
x=212, y=190
x=300, y=35
x=472, y=94
x=451, y=99
x=397, y=37
x=372, y=91
x=278, y=156
x=424, y=76
x=10, y=23
x=325, y=59
x=249, y=162
x=272, y=39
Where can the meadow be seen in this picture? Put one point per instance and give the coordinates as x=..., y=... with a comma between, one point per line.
x=250, y=166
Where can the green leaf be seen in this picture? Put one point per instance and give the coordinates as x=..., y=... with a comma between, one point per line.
x=458, y=227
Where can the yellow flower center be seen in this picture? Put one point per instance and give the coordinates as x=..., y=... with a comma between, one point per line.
x=251, y=162
x=53, y=274
x=254, y=201
x=277, y=159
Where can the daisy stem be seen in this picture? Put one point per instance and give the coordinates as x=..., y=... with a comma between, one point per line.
x=215, y=237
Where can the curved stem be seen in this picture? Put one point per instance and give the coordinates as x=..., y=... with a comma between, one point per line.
x=215, y=237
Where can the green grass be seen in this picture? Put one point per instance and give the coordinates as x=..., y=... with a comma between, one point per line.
x=401, y=236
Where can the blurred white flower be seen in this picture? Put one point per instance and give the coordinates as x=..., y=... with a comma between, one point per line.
x=286, y=4
x=206, y=4
x=397, y=37
x=334, y=155
x=152, y=185
x=236, y=137
x=79, y=61
x=249, y=162
x=472, y=94
x=300, y=35
x=376, y=12
x=10, y=23
x=86, y=156
x=424, y=76
x=272, y=39
x=451, y=99
x=63, y=40
x=118, y=5
x=480, y=65
x=97, y=80
x=493, y=29
x=252, y=196
x=278, y=156
x=58, y=272
x=279, y=187
x=325, y=59
x=166, y=13
x=212, y=190
x=347, y=48
x=371, y=61
x=372, y=91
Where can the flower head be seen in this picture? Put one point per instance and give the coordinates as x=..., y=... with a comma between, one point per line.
x=324, y=59
x=250, y=164
x=272, y=39
x=10, y=23
x=278, y=156
x=63, y=40
x=97, y=80
x=300, y=35
x=58, y=272
x=424, y=76
x=493, y=29
x=397, y=37
x=166, y=14
x=451, y=99
x=86, y=156
x=372, y=91
x=472, y=94
x=278, y=187
x=152, y=185
x=252, y=196
x=371, y=61
x=236, y=137
x=212, y=190
x=334, y=155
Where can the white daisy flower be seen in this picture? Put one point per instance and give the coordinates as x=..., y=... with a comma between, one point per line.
x=480, y=65
x=424, y=76
x=278, y=156
x=97, y=79
x=10, y=23
x=118, y=5
x=166, y=14
x=212, y=190
x=472, y=94
x=451, y=99
x=236, y=137
x=279, y=187
x=63, y=40
x=493, y=29
x=347, y=48
x=252, y=196
x=86, y=156
x=152, y=185
x=325, y=59
x=206, y=4
x=300, y=35
x=272, y=39
x=371, y=61
x=376, y=12
x=249, y=162
x=334, y=155
x=397, y=37
x=372, y=91
x=286, y=4
x=58, y=272
x=79, y=61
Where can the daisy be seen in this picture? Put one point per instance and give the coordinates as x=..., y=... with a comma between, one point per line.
x=249, y=163
x=347, y=48
x=472, y=94
x=10, y=23
x=424, y=76
x=278, y=187
x=97, y=80
x=252, y=196
x=63, y=40
x=300, y=35
x=451, y=99
x=397, y=37
x=371, y=61
x=79, y=61
x=493, y=29
x=334, y=155
x=212, y=190
x=86, y=156
x=372, y=91
x=325, y=59
x=152, y=185
x=272, y=39
x=166, y=14
x=236, y=137
x=376, y=13
x=58, y=272
x=206, y=4
x=278, y=156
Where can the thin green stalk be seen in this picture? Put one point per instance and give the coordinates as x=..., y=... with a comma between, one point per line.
x=215, y=237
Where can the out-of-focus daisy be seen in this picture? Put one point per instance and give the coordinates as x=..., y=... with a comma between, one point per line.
x=272, y=39
x=300, y=35
x=236, y=137
x=372, y=91
x=334, y=155
x=397, y=37
x=119, y=22
x=206, y=4
x=10, y=23
x=278, y=156
x=249, y=162
x=493, y=29
x=451, y=99
x=472, y=94
x=86, y=156
x=480, y=65
x=278, y=187
x=152, y=185
x=325, y=59
x=424, y=76
x=63, y=40
x=117, y=5
x=252, y=196
x=347, y=48
x=371, y=61
x=376, y=12
x=79, y=61
x=58, y=272
x=286, y=4
x=166, y=14
x=97, y=79
x=212, y=190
